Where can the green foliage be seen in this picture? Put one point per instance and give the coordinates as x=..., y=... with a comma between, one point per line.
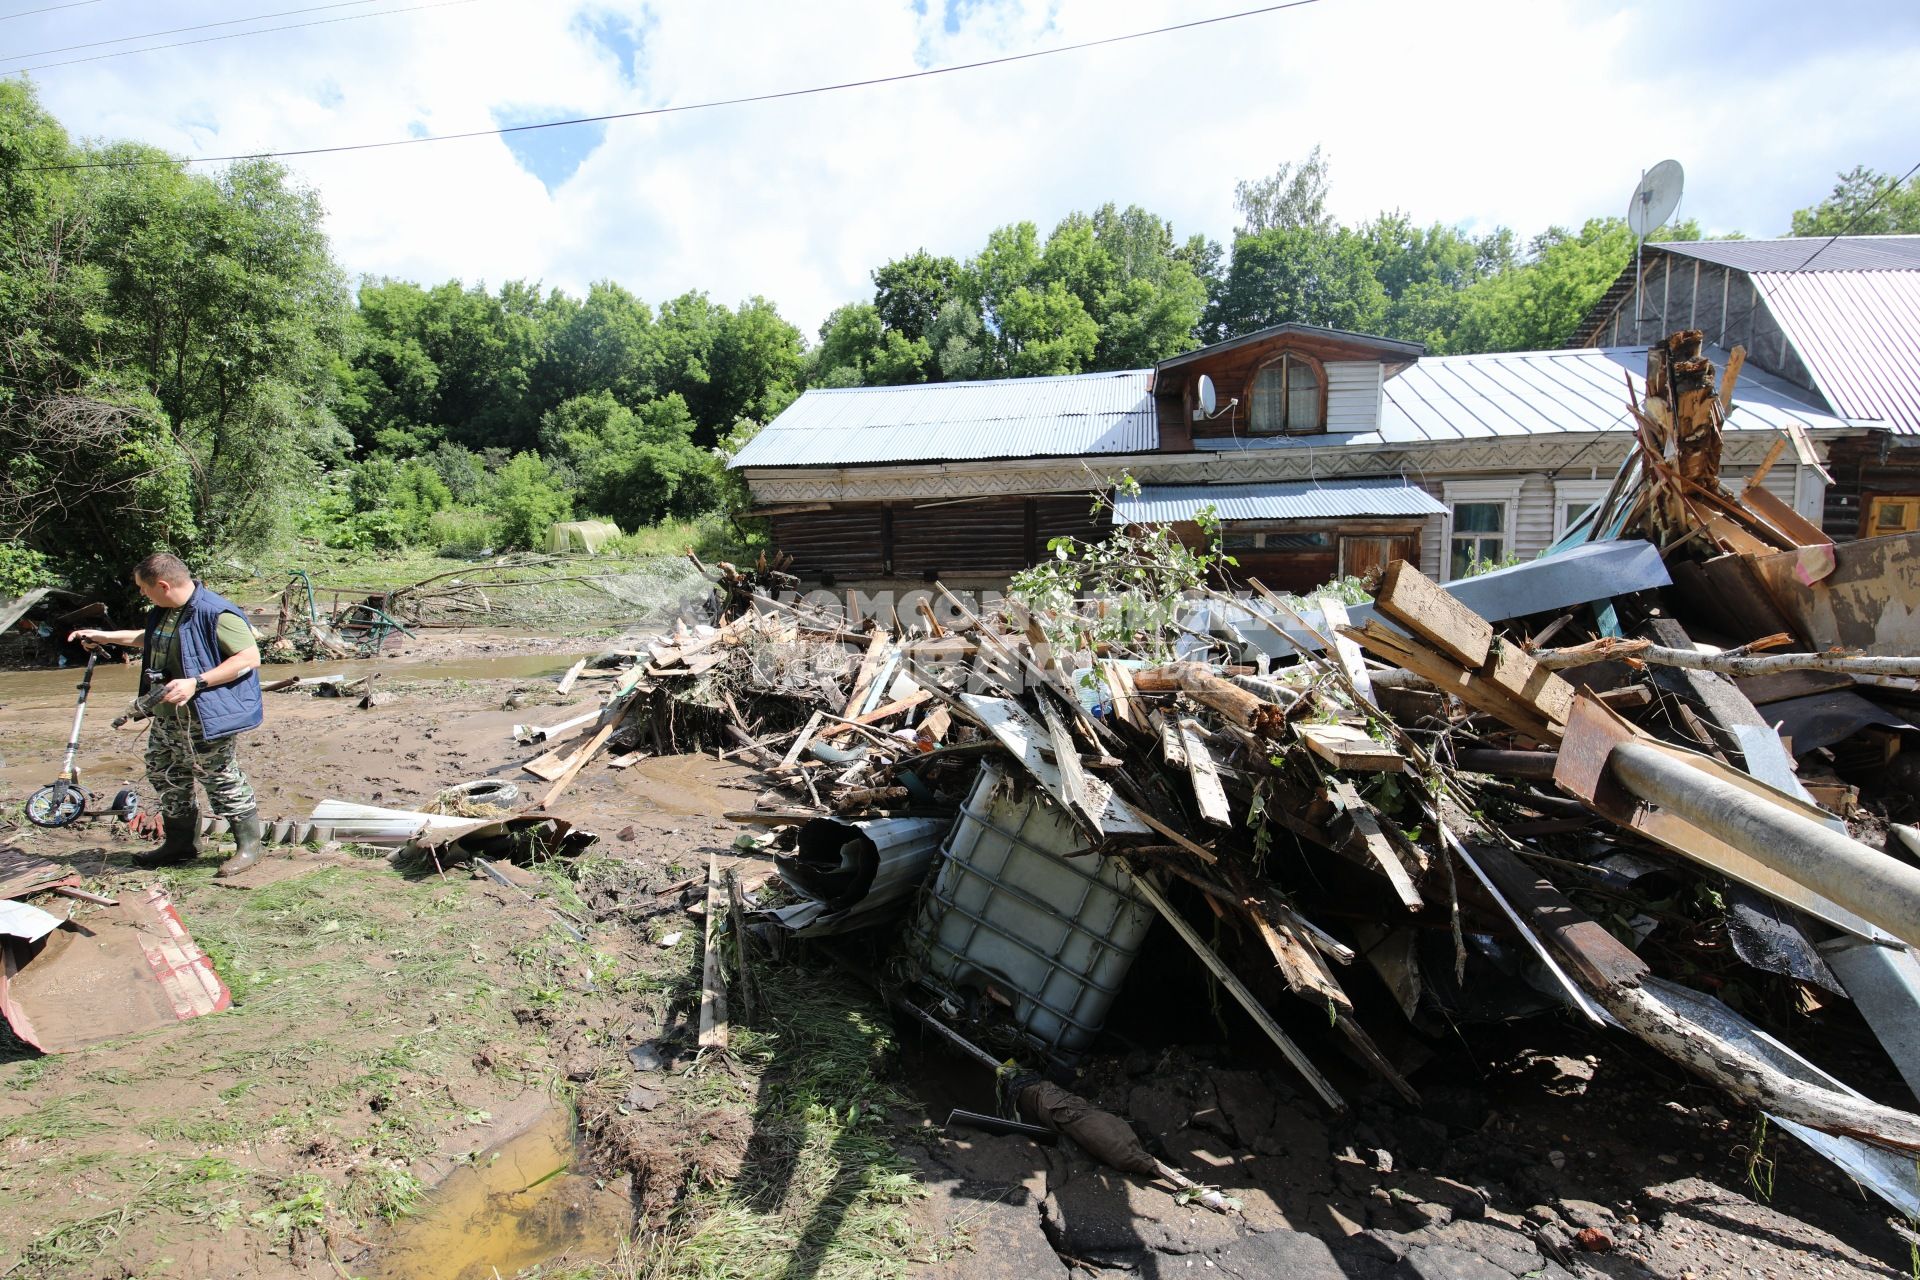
x=634, y=467
x=1300, y=275
x=1864, y=203
x=1147, y=571
x=526, y=498
x=463, y=531
x=22, y=569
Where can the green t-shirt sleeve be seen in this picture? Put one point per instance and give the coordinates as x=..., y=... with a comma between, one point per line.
x=234, y=635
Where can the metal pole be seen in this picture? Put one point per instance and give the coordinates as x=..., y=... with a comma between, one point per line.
x=1879, y=889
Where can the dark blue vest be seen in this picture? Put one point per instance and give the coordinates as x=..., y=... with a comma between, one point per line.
x=226, y=709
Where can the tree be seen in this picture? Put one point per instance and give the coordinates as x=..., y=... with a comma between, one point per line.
x=1294, y=197
x=909, y=292
x=634, y=467
x=1302, y=275
x=527, y=497
x=1864, y=203
x=605, y=343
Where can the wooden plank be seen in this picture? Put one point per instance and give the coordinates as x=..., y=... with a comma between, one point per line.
x=1421, y=605
x=1449, y=677
x=1212, y=797
x=573, y=673
x=1197, y=850
x=879, y=713
x=1349, y=748
x=1513, y=671
x=1066, y=758
x=1022, y=736
x=1171, y=748
x=1596, y=957
x=1379, y=850
x=869, y=666
x=792, y=759
x=1736, y=361
x=1238, y=989
x=1345, y=650
x=934, y=629
x=584, y=754
x=714, y=1027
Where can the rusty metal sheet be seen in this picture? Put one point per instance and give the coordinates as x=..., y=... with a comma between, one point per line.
x=1870, y=602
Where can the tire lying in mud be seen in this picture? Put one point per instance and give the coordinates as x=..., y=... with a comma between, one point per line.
x=494, y=793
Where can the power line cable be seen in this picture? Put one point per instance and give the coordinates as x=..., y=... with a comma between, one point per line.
x=28, y=13
x=204, y=26
x=238, y=35
x=691, y=106
x=1853, y=222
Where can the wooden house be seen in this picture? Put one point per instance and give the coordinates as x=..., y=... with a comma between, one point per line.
x=1326, y=454
x=1837, y=318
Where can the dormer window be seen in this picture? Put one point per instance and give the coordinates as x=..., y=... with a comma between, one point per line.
x=1289, y=396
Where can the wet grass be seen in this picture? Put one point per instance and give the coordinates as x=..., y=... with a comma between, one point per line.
x=823, y=1192
x=358, y=996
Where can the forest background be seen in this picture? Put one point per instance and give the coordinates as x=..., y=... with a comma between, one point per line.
x=184, y=365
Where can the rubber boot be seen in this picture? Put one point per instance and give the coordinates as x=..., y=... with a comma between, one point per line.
x=180, y=843
x=246, y=843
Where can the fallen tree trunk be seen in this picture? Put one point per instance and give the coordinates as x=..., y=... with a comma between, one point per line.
x=1640, y=1010
x=1239, y=705
x=1732, y=664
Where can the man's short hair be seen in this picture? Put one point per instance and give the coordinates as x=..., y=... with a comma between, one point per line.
x=162, y=566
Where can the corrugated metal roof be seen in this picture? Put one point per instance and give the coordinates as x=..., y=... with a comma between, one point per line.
x=1858, y=333
x=1532, y=393
x=1328, y=500
x=1804, y=253
x=1088, y=413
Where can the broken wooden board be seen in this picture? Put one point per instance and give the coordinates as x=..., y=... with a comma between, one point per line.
x=1596, y=957
x=714, y=1028
x=1348, y=748
x=1345, y=651
x=1512, y=707
x=1207, y=791
x=1379, y=850
x=1421, y=605
x=1009, y=723
x=133, y=968
x=23, y=875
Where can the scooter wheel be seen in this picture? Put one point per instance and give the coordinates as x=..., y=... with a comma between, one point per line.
x=45, y=809
x=126, y=804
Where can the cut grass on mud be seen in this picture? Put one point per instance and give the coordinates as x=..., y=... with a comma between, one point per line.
x=360, y=1000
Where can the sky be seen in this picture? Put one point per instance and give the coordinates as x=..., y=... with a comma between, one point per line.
x=1524, y=113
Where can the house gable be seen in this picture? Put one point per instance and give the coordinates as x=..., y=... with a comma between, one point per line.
x=1347, y=371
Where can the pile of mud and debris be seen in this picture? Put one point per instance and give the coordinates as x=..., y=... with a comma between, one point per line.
x=1651, y=785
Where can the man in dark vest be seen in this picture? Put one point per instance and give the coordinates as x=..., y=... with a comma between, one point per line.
x=201, y=647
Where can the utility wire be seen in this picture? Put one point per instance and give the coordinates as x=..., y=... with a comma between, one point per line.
x=28, y=13
x=691, y=106
x=236, y=35
x=1853, y=222
x=205, y=26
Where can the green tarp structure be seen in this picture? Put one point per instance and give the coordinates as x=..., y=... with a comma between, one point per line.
x=581, y=535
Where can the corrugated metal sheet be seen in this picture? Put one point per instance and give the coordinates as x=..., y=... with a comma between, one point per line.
x=1090, y=413
x=1859, y=334
x=1332, y=500
x=1804, y=253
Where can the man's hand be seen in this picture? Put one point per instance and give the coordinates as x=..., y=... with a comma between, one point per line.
x=87, y=638
x=179, y=692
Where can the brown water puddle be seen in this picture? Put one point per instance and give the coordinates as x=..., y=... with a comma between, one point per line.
x=517, y=1205
x=114, y=683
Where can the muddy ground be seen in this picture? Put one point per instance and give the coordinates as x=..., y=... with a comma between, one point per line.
x=395, y=1028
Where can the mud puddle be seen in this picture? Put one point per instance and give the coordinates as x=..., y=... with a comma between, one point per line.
x=521, y=1204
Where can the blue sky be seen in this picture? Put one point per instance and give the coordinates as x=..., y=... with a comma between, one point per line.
x=1518, y=112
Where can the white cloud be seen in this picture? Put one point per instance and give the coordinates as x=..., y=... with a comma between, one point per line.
x=1523, y=113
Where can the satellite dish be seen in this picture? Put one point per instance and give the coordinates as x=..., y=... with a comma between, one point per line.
x=1207, y=397
x=1655, y=199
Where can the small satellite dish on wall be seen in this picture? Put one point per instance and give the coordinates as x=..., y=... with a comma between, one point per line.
x=1655, y=199
x=1208, y=400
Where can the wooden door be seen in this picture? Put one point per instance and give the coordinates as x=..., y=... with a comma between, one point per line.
x=1362, y=555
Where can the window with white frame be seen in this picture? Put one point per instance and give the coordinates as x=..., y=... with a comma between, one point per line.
x=1480, y=525
x=1573, y=499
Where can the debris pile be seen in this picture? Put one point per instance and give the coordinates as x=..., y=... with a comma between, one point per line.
x=1538, y=787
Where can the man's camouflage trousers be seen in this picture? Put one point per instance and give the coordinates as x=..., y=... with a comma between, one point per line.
x=177, y=754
